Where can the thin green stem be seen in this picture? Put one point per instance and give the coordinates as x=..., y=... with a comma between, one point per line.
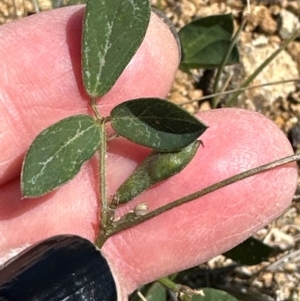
x=225, y=60
x=159, y=5
x=93, y=104
x=166, y=282
x=102, y=168
x=182, y=291
x=242, y=89
x=104, y=213
x=130, y=219
x=247, y=82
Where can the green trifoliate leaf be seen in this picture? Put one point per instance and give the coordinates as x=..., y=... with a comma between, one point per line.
x=156, y=123
x=156, y=292
x=249, y=252
x=57, y=153
x=205, y=42
x=112, y=32
x=154, y=169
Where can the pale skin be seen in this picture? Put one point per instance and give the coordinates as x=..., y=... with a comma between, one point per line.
x=40, y=83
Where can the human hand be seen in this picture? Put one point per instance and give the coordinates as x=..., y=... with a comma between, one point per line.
x=40, y=83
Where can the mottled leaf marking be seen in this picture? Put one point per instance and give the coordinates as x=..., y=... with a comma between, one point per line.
x=57, y=154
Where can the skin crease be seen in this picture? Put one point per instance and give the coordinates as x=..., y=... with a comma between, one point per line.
x=40, y=83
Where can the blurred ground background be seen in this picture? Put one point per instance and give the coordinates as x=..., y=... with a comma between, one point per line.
x=270, y=23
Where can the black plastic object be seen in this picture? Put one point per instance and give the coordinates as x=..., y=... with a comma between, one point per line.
x=64, y=267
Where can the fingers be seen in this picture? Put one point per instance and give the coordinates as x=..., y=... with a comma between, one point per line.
x=235, y=141
x=41, y=82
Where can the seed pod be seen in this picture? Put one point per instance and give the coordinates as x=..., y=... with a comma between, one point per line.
x=154, y=169
x=64, y=267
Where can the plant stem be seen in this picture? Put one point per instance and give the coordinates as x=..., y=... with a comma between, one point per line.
x=182, y=291
x=233, y=99
x=102, y=169
x=166, y=282
x=131, y=220
x=104, y=213
x=93, y=104
x=225, y=60
x=159, y=5
x=242, y=89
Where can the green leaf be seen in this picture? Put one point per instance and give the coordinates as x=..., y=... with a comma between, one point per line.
x=154, y=169
x=206, y=41
x=156, y=123
x=251, y=251
x=156, y=292
x=112, y=32
x=211, y=294
x=57, y=153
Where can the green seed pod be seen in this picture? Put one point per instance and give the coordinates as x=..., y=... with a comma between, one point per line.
x=154, y=169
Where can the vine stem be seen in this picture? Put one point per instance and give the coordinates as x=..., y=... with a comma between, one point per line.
x=182, y=291
x=242, y=89
x=166, y=282
x=102, y=169
x=130, y=220
x=225, y=60
x=104, y=213
x=250, y=79
x=93, y=104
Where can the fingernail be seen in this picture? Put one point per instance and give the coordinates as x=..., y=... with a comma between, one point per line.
x=58, y=268
x=171, y=26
